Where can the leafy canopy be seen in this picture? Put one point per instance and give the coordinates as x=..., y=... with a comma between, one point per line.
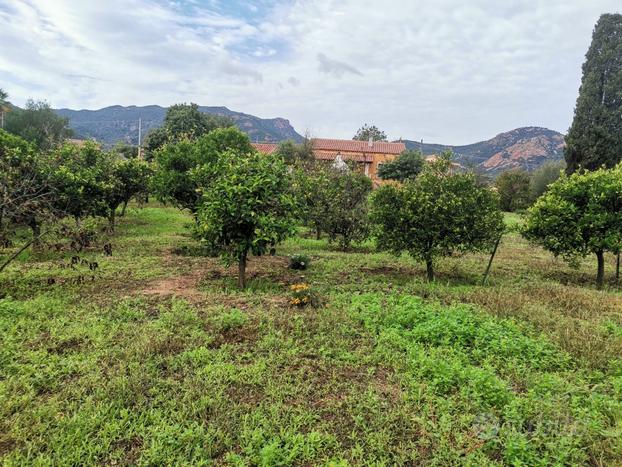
x=82, y=180
x=436, y=214
x=38, y=124
x=293, y=152
x=543, y=176
x=183, y=122
x=129, y=178
x=178, y=179
x=25, y=195
x=580, y=214
x=247, y=208
x=344, y=211
x=404, y=167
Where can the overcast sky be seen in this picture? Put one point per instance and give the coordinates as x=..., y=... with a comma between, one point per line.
x=448, y=71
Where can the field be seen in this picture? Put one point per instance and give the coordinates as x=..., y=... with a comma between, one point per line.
x=156, y=358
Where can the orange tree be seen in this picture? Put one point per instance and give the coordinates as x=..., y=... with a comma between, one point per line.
x=580, y=214
x=247, y=206
x=436, y=214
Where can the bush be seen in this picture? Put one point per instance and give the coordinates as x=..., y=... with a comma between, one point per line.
x=299, y=262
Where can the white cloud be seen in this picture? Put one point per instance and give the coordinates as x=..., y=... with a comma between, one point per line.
x=448, y=70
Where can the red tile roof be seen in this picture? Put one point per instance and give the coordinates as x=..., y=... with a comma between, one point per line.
x=266, y=148
x=379, y=147
x=346, y=145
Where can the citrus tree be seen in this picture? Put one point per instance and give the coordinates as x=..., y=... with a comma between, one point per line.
x=177, y=180
x=436, y=214
x=25, y=194
x=246, y=208
x=129, y=178
x=344, y=213
x=82, y=180
x=182, y=122
x=404, y=167
x=333, y=201
x=580, y=214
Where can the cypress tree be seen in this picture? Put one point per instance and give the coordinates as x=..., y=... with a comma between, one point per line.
x=595, y=137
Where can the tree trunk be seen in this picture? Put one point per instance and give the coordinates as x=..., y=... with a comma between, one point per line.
x=618, y=267
x=429, y=266
x=242, y=272
x=111, y=219
x=600, y=275
x=318, y=233
x=36, y=233
x=123, y=208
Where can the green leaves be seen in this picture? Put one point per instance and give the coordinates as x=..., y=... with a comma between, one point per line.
x=405, y=167
x=438, y=213
x=248, y=206
x=513, y=187
x=334, y=201
x=186, y=168
x=579, y=215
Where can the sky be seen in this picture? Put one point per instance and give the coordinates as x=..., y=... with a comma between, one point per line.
x=445, y=71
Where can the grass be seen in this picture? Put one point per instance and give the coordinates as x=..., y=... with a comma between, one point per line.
x=157, y=358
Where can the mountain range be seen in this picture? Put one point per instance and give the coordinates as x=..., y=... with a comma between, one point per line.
x=117, y=123
x=525, y=148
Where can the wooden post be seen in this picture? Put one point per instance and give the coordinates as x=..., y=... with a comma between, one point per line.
x=492, y=256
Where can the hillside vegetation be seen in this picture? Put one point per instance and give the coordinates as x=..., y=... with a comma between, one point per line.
x=117, y=123
x=157, y=357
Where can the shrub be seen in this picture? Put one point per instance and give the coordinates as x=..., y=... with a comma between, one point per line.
x=299, y=262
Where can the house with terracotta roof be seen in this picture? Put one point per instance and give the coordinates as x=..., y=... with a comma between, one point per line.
x=367, y=155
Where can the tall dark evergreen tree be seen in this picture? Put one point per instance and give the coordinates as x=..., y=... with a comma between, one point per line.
x=595, y=137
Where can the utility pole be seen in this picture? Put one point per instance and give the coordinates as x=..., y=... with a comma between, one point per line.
x=140, y=129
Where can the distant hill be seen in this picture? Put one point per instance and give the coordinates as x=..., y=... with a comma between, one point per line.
x=112, y=124
x=524, y=148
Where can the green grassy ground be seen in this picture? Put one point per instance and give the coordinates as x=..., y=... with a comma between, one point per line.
x=158, y=359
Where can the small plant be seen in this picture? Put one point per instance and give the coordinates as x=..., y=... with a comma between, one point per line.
x=231, y=319
x=299, y=262
x=302, y=295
